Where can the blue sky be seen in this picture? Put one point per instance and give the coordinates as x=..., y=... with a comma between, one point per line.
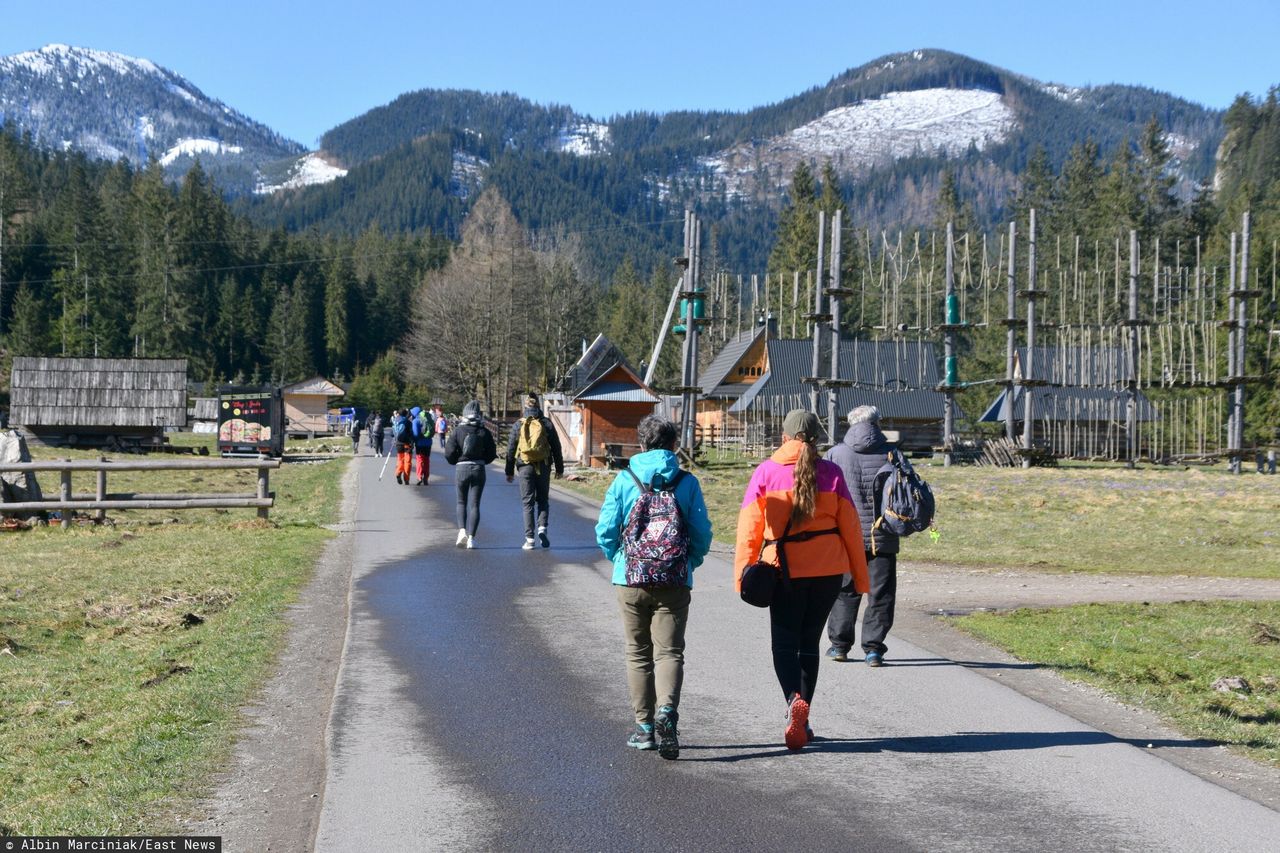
x=304, y=67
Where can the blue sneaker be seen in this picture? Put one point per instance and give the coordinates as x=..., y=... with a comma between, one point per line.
x=875, y=659
x=642, y=737
x=838, y=655
x=668, y=737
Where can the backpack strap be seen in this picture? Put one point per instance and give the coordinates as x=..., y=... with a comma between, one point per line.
x=642, y=486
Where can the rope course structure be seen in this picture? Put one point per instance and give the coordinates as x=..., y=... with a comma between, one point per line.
x=1113, y=350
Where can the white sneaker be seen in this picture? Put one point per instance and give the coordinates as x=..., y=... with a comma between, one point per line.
x=462, y=537
x=471, y=541
x=528, y=545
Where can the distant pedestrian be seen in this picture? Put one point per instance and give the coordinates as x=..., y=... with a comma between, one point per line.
x=423, y=429
x=799, y=504
x=355, y=436
x=533, y=451
x=860, y=456
x=654, y=554
x=441, y=425
x=377, y=434
x=402, y=435
x=470, y=447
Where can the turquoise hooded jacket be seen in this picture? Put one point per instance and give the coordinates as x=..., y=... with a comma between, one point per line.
x=653, y=467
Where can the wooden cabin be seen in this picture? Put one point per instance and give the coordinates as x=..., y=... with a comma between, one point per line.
x=1079, y=406
x=604, y=402
x=738, y=366
x=99, y=401
x=898, y=377
x=306, y=406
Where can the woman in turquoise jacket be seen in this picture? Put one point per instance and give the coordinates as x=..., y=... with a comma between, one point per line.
x=654, y=615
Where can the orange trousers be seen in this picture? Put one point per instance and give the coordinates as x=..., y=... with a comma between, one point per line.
x=424, y=463
x=404, y=456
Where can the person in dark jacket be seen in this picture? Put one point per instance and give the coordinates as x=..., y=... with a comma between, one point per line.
x=470, y=447
x=533, y=465
x=860, y=456
x=377, y=433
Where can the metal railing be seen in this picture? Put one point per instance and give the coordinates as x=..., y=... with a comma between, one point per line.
x=100, y=501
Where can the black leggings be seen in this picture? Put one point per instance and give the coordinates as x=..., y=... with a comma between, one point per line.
x=796, y=619
x=470, y=487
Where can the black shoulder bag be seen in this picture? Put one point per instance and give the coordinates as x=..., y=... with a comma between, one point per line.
x=760, y=580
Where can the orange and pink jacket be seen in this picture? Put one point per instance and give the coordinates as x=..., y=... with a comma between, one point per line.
x=767, y=506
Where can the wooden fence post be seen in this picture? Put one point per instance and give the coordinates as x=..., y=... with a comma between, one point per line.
x=263, y=483
x=64, y=494
x=102, y=490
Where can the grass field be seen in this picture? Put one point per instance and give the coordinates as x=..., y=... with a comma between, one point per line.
x=127, y=650
x=1165, y=658
x=1076, y=519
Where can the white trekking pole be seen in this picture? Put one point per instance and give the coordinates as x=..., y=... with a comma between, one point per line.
x=384, y=467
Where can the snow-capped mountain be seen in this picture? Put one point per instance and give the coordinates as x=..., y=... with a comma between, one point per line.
x=113, y=106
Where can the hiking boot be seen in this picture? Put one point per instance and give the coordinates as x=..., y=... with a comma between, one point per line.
x=838, y=655
x=642, y=737
x=542, y=536
x=668, y=736
x=462, y=538
x=875, y=659
x=528, y=545
x=796, y=734
x=397, y=478
x=471, y=542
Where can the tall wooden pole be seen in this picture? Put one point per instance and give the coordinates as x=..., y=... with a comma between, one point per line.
x=951, y=319
x=817, y=313
x=1028, y=369
x=1131, y=384
x=833, y=389
x=1011, y=335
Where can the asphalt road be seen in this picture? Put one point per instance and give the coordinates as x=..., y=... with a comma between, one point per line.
x=481, y=705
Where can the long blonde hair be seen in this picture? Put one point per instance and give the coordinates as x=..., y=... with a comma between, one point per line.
x=805, y=483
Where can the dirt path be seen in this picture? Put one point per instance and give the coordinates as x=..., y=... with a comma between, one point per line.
x=933, y=588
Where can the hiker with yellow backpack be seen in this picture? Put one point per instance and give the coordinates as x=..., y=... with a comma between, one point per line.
x=533, y=451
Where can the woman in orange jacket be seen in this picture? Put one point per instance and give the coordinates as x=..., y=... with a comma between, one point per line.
x=796, y=493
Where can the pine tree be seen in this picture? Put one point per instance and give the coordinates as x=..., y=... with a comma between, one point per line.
x=339, y=286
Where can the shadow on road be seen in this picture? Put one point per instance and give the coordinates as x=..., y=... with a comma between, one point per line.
x=958, y=743
x=967, y=664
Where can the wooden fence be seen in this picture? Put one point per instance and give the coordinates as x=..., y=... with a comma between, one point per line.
x=101, y=500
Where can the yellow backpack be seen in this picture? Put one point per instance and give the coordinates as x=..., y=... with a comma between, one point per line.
x=532, y=446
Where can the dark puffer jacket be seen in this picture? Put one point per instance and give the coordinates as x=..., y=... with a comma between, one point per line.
x=860, y=456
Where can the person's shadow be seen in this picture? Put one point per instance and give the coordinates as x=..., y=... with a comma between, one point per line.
x=961, y=742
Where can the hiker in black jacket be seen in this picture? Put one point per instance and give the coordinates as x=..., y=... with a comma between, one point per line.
x=860, y=456
x=470, y=447
x=532, y=451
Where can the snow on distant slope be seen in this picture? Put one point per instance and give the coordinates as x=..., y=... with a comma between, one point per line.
x=584, y=138
x=193, y=147
x=310, y=169
x=899, y=124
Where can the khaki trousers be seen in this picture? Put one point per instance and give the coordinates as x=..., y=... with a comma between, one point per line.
x=653, y=623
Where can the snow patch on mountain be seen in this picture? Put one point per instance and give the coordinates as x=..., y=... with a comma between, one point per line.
x=1070, y=94
x=310, y=170
x=56, y=58
x=858, y=136
x=194, y=147
x=584, y=138
x=467, y=174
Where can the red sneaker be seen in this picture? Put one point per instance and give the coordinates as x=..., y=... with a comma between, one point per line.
x=797, y=734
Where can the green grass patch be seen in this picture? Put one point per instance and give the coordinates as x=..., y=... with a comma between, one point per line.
x=117, y=705
x=1077, y=519
x=1165, y=658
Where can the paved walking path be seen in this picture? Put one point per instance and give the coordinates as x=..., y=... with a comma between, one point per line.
x=481, y=705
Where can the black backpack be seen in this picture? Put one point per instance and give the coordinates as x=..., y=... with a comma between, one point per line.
x=906, y=501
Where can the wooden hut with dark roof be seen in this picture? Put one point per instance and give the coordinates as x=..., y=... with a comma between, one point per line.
x=99, y=401
x=609, y=400
x=899, y=377
x=1078, y=401
x=738, y=365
